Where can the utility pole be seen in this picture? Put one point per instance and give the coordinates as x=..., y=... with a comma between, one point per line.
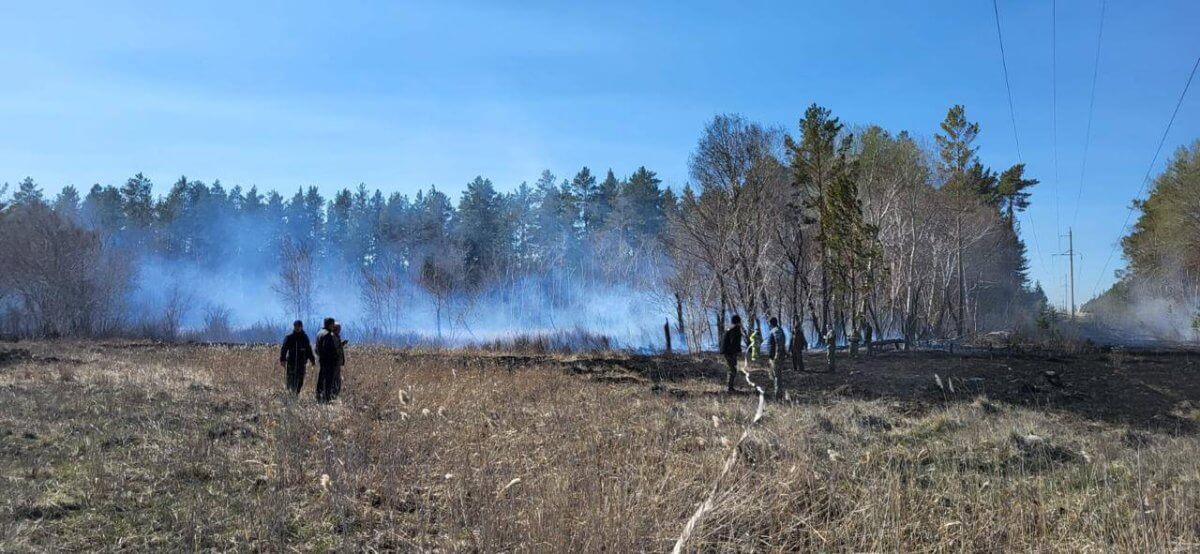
x=1071, y=264
x=1070, y=254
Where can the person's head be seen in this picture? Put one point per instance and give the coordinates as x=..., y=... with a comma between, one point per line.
x=329, y=321
x=297, y=326
x=737, y=321
x=337, y=328
x=774, y=322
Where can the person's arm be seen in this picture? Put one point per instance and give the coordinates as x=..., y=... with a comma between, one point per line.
x=283, y=350
x=308, y=350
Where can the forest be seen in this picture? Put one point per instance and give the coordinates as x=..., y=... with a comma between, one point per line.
x=834, y=229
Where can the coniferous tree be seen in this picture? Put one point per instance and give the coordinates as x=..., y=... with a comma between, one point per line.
x=1011, y=190
x=583, y=194
x=480, y=231
x=102, y=209
x=66, y=203
x=28, y=193
x=137, y=202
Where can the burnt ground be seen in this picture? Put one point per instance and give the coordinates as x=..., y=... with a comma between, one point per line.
x=1150, y=389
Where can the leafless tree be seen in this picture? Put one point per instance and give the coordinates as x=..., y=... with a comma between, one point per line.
x=295, y=283
x=381, y=291
x=438, y=278
x=65, y=280
x=175, y=309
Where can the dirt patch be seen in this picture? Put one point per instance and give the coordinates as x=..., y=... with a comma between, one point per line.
x=14, y=356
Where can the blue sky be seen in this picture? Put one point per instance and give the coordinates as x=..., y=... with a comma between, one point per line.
x=401, y=95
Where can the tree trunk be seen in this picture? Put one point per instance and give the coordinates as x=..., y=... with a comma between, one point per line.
x=962, y=282
x=679, y=329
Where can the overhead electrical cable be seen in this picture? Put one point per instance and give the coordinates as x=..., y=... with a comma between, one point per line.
x=1013, y=116
x=1146, y=178
x=1087, y=136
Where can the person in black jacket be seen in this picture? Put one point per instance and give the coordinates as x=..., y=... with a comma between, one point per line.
x=294, y=354
x=341, y=344
x=329, y=357
x=731, y=348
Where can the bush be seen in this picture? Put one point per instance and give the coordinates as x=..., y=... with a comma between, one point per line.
x=64, y=279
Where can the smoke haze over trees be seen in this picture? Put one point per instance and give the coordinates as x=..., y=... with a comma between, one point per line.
x=834, y=229
x=1158, y=294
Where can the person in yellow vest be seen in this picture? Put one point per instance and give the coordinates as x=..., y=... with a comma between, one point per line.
x=755, y=340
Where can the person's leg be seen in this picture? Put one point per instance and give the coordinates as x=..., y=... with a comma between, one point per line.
x=776, y=367
x=731, y=361
x=299, y=378
x=322, y=392
x=335, y=383
x=291, y=378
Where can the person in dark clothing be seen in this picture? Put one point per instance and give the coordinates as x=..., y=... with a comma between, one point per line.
x=776, y=352
x=341, y=344
x=731, y=348
x=294, y=354
x=329, y=355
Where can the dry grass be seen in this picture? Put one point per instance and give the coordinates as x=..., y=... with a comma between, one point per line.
x=195, y=448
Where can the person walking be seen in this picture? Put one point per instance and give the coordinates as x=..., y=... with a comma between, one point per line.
x=295, y=353
x=341, y=346
x=328, y=357
x=776, y=351
x=731, y=348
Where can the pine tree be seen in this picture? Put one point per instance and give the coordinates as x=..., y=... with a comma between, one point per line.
x=28, y=194
x=102, y=209
x=604, y=201
x=137, y=201
x=66, y=203
x=956, y=148
x=583, y=195
x=252, y=201
x=480, y=232
x=1012, y=192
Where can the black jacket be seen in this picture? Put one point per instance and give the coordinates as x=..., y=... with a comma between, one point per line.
x=776, y=344
x=296, y=348
x=328, y=349
x=731, y=343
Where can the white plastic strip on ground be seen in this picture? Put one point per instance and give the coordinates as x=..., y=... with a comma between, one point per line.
x=707, y=505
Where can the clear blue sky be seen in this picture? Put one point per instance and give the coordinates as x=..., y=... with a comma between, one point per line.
x=401, y=95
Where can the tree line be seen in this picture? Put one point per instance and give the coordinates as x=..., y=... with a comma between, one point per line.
x=838, y=231
x=834, y=230
x=1158, y=292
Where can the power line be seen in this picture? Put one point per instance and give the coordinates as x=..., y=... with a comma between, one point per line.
x=1146, y=179
x=1054, y=125
x=1087, y=137
x=1011, y=112
x=1013, y=116
x=1054, y=104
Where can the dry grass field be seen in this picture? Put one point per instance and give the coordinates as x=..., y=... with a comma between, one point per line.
x=146, y=447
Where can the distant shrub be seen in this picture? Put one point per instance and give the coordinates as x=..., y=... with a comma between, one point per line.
x=558, y=342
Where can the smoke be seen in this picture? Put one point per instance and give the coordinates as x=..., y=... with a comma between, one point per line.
x=575, y=256
x=1141, y=312
x=532, y=305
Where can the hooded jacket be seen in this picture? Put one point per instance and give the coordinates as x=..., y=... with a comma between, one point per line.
x=731, y=343
x=296, y=348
